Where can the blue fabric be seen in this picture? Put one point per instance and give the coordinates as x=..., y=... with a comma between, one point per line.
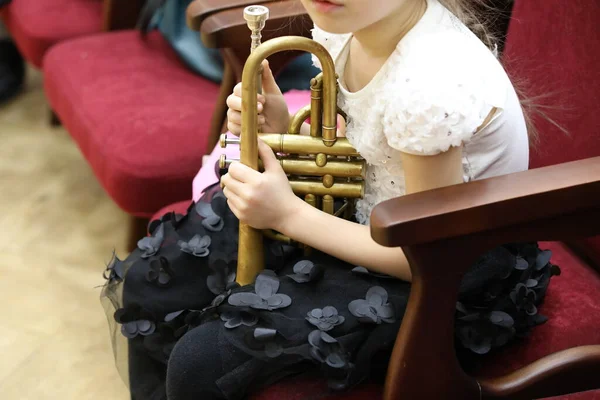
x=170, y=20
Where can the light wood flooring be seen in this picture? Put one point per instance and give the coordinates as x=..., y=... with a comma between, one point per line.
x=57, y=231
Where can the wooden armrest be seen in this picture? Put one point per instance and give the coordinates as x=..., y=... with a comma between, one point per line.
x=489, y=204
x=228, y=29
x=442, y=233
x=121, y=14
x=199, y=10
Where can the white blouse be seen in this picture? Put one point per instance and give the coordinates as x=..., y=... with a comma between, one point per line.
x=433, y=92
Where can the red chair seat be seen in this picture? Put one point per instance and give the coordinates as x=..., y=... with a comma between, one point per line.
x=36, y=25
x=139, y=116
x=572, y=306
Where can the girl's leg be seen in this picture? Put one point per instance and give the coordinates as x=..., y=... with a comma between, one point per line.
x=148, y=373
x=199, y=360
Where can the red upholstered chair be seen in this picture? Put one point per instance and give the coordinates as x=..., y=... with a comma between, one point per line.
x=554, y=47
x=37, y=25
x=141, y=118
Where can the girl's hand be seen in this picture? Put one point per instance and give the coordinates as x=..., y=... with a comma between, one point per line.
x=261, y=200
x=273, y=114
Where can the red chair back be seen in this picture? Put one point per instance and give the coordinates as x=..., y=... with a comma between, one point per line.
x=554, y=48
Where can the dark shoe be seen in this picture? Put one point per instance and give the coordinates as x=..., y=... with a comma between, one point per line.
x=12, y=70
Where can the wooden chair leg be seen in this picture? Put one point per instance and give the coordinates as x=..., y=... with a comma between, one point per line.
x=219, y=117
x=138, y=228
x=54, y=120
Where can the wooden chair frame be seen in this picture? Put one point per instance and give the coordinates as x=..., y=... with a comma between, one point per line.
x=460, y=223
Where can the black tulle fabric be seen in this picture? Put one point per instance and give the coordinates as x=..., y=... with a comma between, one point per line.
x=182, y=328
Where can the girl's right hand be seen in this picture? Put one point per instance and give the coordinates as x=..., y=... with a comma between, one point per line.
x=273, y=114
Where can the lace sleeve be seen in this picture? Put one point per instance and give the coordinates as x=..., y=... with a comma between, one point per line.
x=436, y=101
x=429, y=123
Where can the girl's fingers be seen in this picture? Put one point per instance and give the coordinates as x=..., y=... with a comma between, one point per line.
x=232, y=201
x=234, y=102
x=233, y=186
x=235, y=129
x=242, y=173
x=237, y=90
x=235, y=117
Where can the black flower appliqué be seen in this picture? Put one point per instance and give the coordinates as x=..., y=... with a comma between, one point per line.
x=542, y=259
x=481, y=331
x=375, y=309
x=266, y=296
x=134, y=321
x=325, y=319
x=223, y=277
x=159, y=272
x=306, y=271
x=326, y=349
x=521, y=264
x=151, y=244
x=524, y=298
x=197, y=246
x=212, y=221
x=235, y=319
x=115, y=271
x=269, y=340
x=172, y=217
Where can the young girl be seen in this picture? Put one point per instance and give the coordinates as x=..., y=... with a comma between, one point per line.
x=428, y=105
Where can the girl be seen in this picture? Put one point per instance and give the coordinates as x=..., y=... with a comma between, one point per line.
x=428, y=105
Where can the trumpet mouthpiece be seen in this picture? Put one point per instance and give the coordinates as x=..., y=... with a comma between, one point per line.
x=256, y=16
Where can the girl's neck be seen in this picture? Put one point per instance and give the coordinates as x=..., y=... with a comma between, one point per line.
x=371, y=47
x=380, y=39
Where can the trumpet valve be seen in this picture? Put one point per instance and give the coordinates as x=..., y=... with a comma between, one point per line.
x=224, y=140
x=321, y=160
x=225, y=162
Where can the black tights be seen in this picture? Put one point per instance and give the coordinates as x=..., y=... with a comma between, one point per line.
x=199, y=360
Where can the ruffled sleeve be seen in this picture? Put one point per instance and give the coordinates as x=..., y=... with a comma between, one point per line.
x=438, y=100
x=331, y=41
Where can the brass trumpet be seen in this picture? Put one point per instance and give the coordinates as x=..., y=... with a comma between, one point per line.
x=320, y=167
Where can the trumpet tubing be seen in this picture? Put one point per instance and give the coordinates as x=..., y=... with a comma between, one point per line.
x=296, y=144
x=318, y=166
x=321, y=167
x=349, y=190
x=336, y=169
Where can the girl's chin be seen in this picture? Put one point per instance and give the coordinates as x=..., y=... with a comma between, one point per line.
x=329, y=26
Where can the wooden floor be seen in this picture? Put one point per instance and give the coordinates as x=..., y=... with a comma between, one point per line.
x=58, y=230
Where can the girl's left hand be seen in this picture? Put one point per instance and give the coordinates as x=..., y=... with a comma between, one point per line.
x=261, y=200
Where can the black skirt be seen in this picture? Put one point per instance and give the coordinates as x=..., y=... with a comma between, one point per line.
x=182, y=328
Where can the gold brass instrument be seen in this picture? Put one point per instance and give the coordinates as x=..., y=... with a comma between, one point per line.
x=320, y=167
